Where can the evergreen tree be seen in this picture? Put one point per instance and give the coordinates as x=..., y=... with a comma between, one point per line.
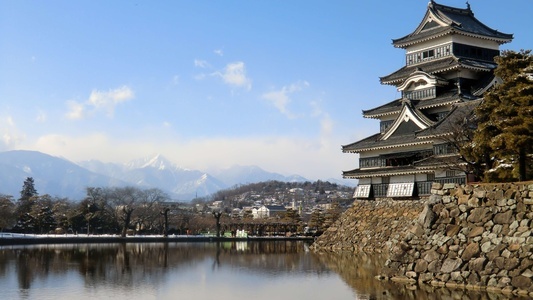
x=28, y=189
x=505, y=120
x=28, y=196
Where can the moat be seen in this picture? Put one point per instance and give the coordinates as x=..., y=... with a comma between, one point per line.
x=200, y=270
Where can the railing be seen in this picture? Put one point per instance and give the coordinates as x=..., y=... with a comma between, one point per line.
x=423, y=188
x=458, y=180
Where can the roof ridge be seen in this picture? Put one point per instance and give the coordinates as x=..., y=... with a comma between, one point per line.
x=435, y=5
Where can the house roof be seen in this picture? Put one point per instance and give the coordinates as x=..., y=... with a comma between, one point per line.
x=437, y=66
x=442, y=20
x=275, y=207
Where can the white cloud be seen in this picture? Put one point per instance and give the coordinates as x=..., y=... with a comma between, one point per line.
x=76, y=110
x=201, y=63
x=10, y=135
x=234, y=74
x=219, y=52
x=312, y=158
x=281, y=100
x=99, y=101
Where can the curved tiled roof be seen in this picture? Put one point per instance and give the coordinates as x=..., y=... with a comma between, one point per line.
x=459, y=112
x=388, y=171
x=390, y=108
x=395, y=106
x=374, y=142
x=457, y=20
x=435, y=67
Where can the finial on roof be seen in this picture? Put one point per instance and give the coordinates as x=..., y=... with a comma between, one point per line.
x=468, y=5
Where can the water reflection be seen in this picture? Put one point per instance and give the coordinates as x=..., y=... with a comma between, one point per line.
x=359, y=271
x=150, y=270
x=232, y=270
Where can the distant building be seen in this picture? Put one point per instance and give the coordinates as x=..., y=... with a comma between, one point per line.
x=449, y=64
x=267, y=211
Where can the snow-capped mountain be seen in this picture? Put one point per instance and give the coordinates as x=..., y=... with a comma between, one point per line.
x=159, y=172
x=52, y=175
x=62, y=178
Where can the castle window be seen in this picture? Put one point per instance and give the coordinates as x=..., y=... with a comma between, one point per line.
x=427, y=93
x=443, y=149
x=428, y=54
x=371, y=162
x=451, y=173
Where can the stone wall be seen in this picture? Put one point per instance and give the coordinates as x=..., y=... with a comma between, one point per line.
x=371, y=226
x=473, y=236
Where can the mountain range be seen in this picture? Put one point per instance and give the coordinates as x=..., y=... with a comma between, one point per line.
x=62, y=178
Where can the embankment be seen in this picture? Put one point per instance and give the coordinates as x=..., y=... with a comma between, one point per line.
x=473, y=236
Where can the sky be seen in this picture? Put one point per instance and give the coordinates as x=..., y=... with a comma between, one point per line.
x=209, y=84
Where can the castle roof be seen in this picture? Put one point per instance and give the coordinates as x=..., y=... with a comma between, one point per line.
x=390, y=171
x=376, y=142
x=395, y=106
x=441, y=20
x=453, y=121
x=438, y=66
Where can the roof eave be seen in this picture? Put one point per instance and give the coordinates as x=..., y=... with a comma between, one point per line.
x=399, y=44
x=384, y=173
x=358, y=150
x=377, y=116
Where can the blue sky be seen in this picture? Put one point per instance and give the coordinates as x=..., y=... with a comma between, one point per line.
x=209, y=84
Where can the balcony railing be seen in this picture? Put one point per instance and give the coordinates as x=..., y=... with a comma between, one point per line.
x=423, y=188
x=458, y=180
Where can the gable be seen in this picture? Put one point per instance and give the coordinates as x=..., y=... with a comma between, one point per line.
x=430, y=21
x=407, y=122
x=421, y=79
x=430, y=24
x=406, y=128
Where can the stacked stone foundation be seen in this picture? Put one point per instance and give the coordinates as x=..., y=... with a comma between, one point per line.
x=474, y=236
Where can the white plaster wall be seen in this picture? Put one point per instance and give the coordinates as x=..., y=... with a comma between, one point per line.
x=429, y=44
x=461, y=39
x=421, y=177
x=365, y=181
x=440, y=173
x=402, y=178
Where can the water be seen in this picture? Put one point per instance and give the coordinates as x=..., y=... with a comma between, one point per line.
x=232, y=270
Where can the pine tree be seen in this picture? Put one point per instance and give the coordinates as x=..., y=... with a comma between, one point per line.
x=28, y=189
x=28, y=195
x=505, y=119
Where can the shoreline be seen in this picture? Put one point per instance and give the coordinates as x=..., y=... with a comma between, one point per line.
x=21, y=239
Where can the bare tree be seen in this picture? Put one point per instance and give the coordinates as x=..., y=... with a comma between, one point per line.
x=456, y=138
x=7, y=212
